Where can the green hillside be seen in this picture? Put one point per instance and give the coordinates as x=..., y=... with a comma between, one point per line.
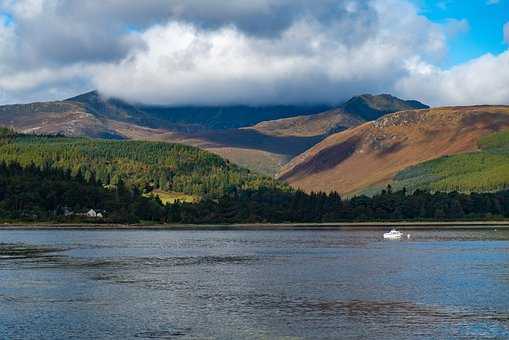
x=482, y=171
x=146, y=165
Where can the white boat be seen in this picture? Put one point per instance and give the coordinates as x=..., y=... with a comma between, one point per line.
x=393, y=235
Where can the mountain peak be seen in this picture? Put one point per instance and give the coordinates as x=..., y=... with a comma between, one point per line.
x=371, y=107
x=85, y=97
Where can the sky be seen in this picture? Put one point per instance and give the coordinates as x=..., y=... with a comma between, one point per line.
x=255, y=52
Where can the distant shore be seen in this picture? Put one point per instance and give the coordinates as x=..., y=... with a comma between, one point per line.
x=264, y=226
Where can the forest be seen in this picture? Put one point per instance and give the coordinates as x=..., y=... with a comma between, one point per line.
x=39, y=194
x=49, y=194
x=44, y=178
x=484, y=170
x=145, y=165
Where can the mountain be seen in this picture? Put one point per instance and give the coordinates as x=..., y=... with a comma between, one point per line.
x=371, y=154
x=354, y=112
x=260, y=138
x=92, y=115
x=208, y=117
x=371, y=107
x=58, y=117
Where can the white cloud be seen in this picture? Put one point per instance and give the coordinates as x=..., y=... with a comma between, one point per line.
x=44, y=84
x=484, y=80
x=492, y=2
x=28, y=8
x=310, y=61
x=7, y=42
x=243, y=51
x=41, y=77
x=455, y=27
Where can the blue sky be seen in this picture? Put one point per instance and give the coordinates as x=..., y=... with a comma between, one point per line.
x=485, y=21
x=6, y=18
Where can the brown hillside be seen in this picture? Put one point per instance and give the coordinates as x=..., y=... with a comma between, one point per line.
x=68, y=118
x=371, y=154
x=308, y=126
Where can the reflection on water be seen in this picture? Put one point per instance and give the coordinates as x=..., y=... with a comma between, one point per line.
x=253, y=284
x=21, y=251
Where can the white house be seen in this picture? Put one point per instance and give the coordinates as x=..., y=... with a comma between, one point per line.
x=93, y=214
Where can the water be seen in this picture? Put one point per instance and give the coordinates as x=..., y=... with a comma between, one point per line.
x=254, y=284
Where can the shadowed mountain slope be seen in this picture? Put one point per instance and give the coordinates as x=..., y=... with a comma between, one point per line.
x=208, y=117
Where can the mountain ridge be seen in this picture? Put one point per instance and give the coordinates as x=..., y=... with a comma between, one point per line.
x=211, y=117
x=212, y=128
x=357, y=110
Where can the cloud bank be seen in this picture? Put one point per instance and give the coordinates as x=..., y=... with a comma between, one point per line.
x=217, y=52
x=484, y=80
x=310, y=60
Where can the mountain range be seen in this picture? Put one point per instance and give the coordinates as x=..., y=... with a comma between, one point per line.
x=233, y=132
x=356, y=147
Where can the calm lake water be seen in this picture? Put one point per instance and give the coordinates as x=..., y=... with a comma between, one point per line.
x=254, y=284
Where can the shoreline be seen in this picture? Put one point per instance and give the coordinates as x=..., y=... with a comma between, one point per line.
x=453, y=225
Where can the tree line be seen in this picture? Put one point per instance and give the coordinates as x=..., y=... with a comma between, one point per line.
x=268, y=206
x=47, y=193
